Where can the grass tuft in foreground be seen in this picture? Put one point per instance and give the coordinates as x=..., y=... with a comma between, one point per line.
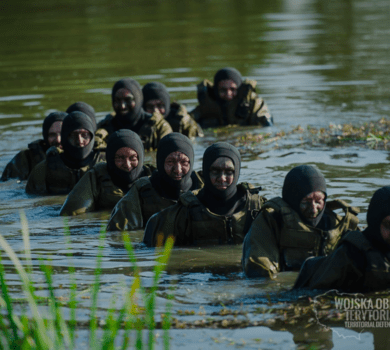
x=42, y=325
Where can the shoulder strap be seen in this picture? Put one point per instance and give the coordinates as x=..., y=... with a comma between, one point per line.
x=204, y=89
x=357, y=239
x=188, y=199
x=350, y=219
x=143, y=184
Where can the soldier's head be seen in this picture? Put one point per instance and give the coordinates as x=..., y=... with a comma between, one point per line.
x=85, y=108
x=226, y=83
x=378, y=216
x=175, y=160
x=304, y=189
x=127, y=101
x=51, y=128
x=156, y=97
x=221, y=169
x=78, y=135
x=125, y=157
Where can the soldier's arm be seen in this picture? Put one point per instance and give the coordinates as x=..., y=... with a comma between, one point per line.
x=36, y=183
x=83, y=196
x=188, y=126
x=340, y=270
x=260, y=113
x=127, y=214
x=18, y=167
x=162, y=225
x=260, y=249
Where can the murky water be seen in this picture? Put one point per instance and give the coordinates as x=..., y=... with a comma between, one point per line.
x=316, y=63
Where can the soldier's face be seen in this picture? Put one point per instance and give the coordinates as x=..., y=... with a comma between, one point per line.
x=152, y=105
x=126, y=159
x=312, y=205
x=80, y=138
x=124, y=101
x=54, y=134
x=227, y=90
x=222, y=173
x=176, y=165
x=385, y=229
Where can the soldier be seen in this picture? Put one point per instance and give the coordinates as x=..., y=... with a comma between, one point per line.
x=127, y=102
x=22, y=164
x=156, y=97
x=220, y=213
x=106, y=183
x=62, y=169
x=147, y=196
x=301, y=224
x=230, y=101
x=361, y=262
x=90, y=112
x=85, y=108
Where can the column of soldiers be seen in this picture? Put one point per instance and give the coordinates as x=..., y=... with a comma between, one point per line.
x=101, y=166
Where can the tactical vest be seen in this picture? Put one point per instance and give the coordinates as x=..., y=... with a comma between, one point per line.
x=59, y=178
x=206, y=228
x=151, y=201
x=109, y=193
x=148, y=132
x=377, y=273
x=239, y=111
x=37, y=153
x=299, y=241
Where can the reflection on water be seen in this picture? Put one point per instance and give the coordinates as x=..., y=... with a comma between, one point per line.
x=315, y=63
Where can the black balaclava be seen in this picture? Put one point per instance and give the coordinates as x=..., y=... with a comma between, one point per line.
x=85, y=108
x=157, y=91
x=227, y=73
x=119, y=139
x=220, y=202
x=49, y=121
x=299, y=182
x=77, y=157
x=165, y=185
x=132, y=119
x=378, y=209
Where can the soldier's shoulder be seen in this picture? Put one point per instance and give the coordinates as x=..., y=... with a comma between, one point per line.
x=106, y=121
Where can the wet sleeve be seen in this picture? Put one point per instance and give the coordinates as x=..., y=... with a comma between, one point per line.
x=83, y=196
x=337, y=271
x=127, y=214
x=260, y=257
x=260, y=113
x=162, y=225
x=163, y=129
x=18, y=167
x=188, y=126
x=36, y=183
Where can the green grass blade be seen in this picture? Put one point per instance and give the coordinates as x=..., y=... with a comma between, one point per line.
x=26, y=241
x=95, y=290
x=73, y=286
x=62, y=331
x=8, y=302
x=41, y=330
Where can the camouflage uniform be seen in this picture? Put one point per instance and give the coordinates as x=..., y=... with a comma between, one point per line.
x=139, y=204
x=52, y=176
x=182, y=122
x=279, y=240
x=95, y=191
x=356, y=265
x=191, y=223
x=246, y=109
x=154, y=128
x=23, y=163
